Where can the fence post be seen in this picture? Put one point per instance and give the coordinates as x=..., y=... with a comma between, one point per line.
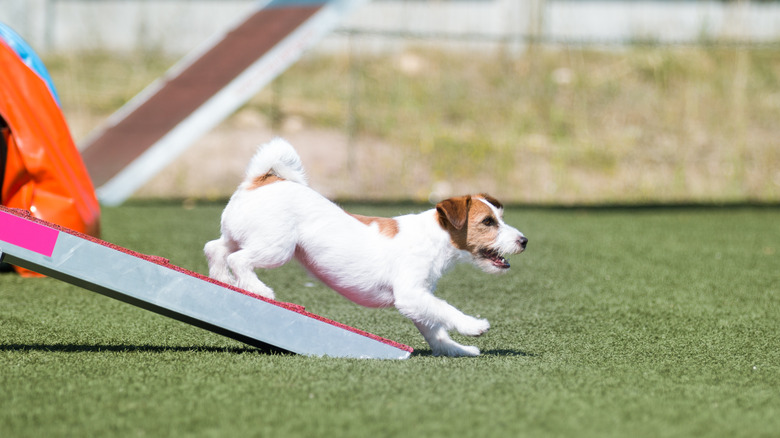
x=536, y=21
x=352, y=100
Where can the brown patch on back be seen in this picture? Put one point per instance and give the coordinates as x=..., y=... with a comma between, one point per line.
x=463, y=217
x=263, y=180
x=387, y=226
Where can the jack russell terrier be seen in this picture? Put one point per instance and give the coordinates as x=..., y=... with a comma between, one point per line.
x=376, y=262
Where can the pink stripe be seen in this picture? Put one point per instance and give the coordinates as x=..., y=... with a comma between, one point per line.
x=26, y=234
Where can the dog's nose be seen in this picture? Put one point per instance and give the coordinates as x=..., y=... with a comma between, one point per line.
x=522, y=242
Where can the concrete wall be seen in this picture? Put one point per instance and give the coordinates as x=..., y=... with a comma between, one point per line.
x=664, y=21
x=176, y=26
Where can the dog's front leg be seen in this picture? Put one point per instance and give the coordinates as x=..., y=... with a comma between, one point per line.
x=434, y=317
x=422, y=306
x=441, y=344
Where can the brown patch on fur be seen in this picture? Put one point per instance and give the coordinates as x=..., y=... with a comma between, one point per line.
x=453, y=212
x=387, y=226
x=263, y=180
x=464, y=218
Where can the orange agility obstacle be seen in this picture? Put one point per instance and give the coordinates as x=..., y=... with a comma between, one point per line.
x=40, y=168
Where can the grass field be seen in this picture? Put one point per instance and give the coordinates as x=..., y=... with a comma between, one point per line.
x=615, y=322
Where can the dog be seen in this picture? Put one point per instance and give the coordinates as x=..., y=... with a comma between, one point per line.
x=274, y=216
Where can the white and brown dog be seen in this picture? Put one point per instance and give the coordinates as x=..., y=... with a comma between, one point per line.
x=377, y=262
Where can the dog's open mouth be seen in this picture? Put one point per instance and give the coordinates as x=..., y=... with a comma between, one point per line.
x=495, y=258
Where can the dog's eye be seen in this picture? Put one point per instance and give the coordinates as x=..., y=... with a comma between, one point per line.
x=488, y=221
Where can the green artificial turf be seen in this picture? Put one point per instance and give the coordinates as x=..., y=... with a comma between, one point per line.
x=614, y=323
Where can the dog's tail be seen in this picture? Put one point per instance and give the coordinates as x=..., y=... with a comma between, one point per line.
x=278, y=158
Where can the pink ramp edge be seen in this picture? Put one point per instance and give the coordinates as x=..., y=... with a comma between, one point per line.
x=28, y=235
x=25, y=216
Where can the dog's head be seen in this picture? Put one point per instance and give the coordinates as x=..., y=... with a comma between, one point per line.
x=476, y=225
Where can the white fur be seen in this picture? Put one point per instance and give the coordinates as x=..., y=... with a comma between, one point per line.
x=265, y=227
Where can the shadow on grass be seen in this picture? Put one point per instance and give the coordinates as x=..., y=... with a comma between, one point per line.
x=504, y=352
x=71, y=348
x=498, y=353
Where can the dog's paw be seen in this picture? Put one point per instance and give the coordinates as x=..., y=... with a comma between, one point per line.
x=458, y=350
x=474, y=327
x=261, y=290
x=468, y=351
x=268, y=293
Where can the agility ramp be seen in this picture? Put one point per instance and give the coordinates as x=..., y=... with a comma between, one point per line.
x=154, y=284
x=203, y=89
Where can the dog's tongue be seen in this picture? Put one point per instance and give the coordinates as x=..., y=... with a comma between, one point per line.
x=500, y=262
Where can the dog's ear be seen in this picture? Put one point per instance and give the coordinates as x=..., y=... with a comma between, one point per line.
x=454, y=211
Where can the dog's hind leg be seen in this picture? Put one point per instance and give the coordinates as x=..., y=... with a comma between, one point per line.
x=217, y=252
x=244, y=262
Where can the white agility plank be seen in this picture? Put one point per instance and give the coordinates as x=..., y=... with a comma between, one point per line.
x=153, y=284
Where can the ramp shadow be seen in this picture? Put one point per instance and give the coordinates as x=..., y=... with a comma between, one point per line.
x=123, y=348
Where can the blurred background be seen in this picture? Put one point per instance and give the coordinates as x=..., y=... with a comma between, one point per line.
x=554, y=102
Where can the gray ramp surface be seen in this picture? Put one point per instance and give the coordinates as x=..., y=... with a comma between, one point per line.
x=154, y=284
